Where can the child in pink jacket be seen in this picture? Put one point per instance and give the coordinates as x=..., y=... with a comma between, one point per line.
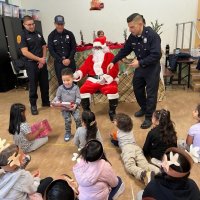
x=95, y=176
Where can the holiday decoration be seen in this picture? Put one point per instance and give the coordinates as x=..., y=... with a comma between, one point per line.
x=96, y=5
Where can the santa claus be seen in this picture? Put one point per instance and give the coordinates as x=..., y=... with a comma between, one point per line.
x=98, y=79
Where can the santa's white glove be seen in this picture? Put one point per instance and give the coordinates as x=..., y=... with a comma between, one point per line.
x=102, y=80
x=108, y=78
x=77, y=75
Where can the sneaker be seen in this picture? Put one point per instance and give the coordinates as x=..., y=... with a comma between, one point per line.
x=25, y=161
x=146, y=124
x=118, y=190
x=67, y=137
x=139, y=113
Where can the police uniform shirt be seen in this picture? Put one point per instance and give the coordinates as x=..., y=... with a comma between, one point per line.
x=147, y=48
x=62, y=45
x=34, y=41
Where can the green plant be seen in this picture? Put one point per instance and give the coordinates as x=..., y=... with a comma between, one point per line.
x=156, y=27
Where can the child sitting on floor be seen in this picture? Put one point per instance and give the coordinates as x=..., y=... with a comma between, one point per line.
x=63, y=188
x=193, y=137
x=69, y=93
x=88, y=130
x=21, y=131
x=95, y=176
x=16, y=183
x=174, y=181
x=161, y=136
x=132, y=155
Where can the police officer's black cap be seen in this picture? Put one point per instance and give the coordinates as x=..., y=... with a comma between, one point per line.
x=133, y=16
x=59, y=19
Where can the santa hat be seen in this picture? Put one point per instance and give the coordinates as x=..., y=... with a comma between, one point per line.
x=100, y=42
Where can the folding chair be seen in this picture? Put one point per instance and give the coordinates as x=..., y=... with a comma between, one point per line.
x=21, y=75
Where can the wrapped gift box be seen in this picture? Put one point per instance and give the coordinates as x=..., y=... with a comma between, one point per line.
x=45, y=124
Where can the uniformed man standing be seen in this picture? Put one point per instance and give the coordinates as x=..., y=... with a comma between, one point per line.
x=146, y=45
x=33, y=48
x=62, y=46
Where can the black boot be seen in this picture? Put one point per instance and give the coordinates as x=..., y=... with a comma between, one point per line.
x=146, y=124
x=85, y=104
x=34, y=110
x=113, y=103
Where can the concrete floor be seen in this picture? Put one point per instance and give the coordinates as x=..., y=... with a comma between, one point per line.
x=54, y=158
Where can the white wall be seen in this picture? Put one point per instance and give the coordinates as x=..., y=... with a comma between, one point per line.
x=112, y=19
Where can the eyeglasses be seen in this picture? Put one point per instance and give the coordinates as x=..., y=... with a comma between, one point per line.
x=33, y=24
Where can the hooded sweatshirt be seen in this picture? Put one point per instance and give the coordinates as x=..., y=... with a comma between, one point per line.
x=17, y=185
x=95, y=179
x=164, y=188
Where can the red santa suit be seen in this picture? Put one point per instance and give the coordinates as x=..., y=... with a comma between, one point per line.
x=95, y=67
x=98, y=77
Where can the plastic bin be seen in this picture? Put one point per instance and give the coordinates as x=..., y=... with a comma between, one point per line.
x=22, y=13
x=1, y=8
x=7, y=9
x=15, y=11
x=34, y=13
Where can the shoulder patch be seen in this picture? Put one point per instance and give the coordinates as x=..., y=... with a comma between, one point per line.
x=19, y=39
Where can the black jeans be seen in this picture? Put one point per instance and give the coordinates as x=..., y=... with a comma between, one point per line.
x=59, y=67
x=35, y=76
x=44, y=183
x=145, y=85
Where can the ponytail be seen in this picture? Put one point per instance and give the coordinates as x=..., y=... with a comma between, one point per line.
x=91, y=125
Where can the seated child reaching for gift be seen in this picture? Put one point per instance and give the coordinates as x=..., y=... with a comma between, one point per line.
x=69, y=93
x=21, y=131
x=132, y=155
x=17, y=183
x=95, y=176
x=161, y=137
x=88, y=131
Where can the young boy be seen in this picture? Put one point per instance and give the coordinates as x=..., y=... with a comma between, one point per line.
x=132, y=155
x=69, y=93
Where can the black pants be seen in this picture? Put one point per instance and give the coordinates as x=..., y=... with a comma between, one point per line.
x=59, y=67
x=145, y=85
x=35, y=76
x=44, y=183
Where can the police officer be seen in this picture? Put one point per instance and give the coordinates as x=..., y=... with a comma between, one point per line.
x=62, y=46
x=33, y=48
x=146, y=45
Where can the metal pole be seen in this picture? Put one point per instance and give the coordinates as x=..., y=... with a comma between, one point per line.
x=183, y=35
x=176, y=35
x=190, y=44
x=184, y=23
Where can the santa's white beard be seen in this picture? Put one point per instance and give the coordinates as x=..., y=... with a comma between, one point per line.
x=98, y=58
x=98, y=55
